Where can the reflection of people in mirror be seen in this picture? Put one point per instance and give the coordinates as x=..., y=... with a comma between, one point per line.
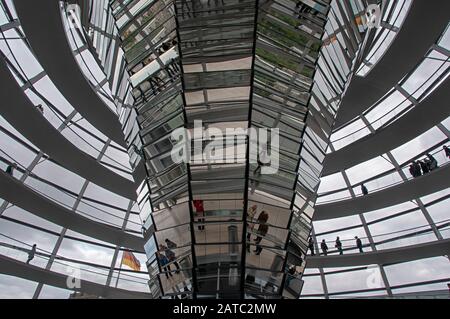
x=198, y=204
x=251, y=218
x=262, y=231
x=290, y=274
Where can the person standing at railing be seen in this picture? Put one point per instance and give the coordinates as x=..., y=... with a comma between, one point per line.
x=156, y=84
x=359, y=244
x=170, y=71
x=170, y=256
x=10, y=169
x=250, y=216
x=364, y=190
x=447, y=151
x=415, y=169
x=433, y=162
x=31, y=253
x=163, y=261
x=40, y=108
x=311, y=246
x=290, y=275
x=424, y=166
x=324, y=247
x=411, y=170
x=262, y=231
x=338, y=246
x=138, y=151
x=200, y=211
x=302, y=9
x=143, y=228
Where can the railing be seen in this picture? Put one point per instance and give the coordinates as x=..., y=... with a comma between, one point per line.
x=19, y=251
x=378, y=183
x=60, y=193
x=402, y=238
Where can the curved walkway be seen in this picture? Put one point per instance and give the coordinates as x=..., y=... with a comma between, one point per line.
x=430, y=112
x=45, y=32
x=24, y=117
x=382, y=257
x=411, y=44
x=17, y=193
x=430, y=183
x=12, y=267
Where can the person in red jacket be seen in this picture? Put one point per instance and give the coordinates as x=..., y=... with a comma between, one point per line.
x=198, y=204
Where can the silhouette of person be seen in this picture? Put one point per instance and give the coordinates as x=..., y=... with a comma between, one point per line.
x=433, y=162
x=31, y=253
x=311, y=246
x=262, y=231
x=10, y=169
x=164, y=264
x=447, y=151
x=424, y=167
x=364, y=190
x=359, y=244
x=338, y=246
x=324, y=247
